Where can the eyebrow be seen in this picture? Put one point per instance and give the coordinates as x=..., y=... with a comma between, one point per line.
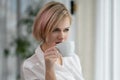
x=65, y=28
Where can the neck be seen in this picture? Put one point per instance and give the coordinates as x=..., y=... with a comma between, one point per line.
x=43, y=47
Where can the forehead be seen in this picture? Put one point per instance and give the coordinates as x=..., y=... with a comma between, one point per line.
x=65, y=23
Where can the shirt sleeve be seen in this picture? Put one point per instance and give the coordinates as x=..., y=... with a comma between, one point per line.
x=29, y=75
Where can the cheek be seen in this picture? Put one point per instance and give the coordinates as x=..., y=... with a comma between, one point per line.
x=53, y=37
x=66, y=36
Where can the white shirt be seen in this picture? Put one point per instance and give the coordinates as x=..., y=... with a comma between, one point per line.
x=33, y=68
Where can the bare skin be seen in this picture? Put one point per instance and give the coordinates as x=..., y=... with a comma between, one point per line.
x=51, y=56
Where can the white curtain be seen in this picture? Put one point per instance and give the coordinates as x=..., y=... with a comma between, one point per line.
x=107, y=40
x=116, y=49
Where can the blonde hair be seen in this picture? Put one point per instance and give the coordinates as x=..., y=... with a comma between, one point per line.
x=48, y=18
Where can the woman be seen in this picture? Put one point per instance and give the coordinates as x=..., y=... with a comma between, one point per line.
x=51, y=27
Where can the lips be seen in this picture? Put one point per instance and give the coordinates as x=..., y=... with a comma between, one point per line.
x=58, y=42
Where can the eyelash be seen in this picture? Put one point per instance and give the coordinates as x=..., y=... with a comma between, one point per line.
x=56, y=30
x=66, y=30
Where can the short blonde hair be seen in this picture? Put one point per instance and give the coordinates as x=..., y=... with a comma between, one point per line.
x=48, y=18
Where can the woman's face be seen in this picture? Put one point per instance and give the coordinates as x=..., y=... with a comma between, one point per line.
x=60, y=33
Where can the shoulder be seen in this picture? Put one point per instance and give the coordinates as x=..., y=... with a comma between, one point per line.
x=32, y=69
x=36, y=58
x=30, y=62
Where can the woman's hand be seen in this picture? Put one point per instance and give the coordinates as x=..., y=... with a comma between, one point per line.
x=51, y=56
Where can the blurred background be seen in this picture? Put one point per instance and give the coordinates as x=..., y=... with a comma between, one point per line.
x=95, y=30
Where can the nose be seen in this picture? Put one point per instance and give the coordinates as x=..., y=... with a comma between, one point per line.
x=61, y=35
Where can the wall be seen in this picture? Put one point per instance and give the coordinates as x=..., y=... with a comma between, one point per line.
x=85, y=36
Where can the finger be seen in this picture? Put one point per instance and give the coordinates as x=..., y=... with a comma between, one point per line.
x=54, y=56
x=54, y=59
x=51, y=60
x=51, y=57
x=59, y=54
x=50, y=49
x=50, y=53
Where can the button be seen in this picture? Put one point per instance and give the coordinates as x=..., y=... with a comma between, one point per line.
x=37, y=64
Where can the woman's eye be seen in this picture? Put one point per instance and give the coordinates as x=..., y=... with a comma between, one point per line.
x=56, y=30
x=66, y=30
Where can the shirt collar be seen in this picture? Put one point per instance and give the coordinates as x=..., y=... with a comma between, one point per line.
x=39, y=53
